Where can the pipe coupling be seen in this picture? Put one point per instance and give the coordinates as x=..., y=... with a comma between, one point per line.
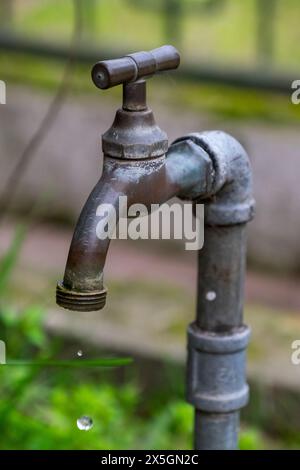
x=216, y=369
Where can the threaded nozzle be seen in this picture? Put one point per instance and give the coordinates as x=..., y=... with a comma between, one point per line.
x=80, y=301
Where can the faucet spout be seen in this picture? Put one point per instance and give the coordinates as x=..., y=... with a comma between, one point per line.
x=184, y=169
x=82, y=288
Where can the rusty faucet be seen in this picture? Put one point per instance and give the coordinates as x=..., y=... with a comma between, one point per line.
x=209, y=167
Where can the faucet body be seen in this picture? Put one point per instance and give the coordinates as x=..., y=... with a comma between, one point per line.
x=210, y=168
x=145, y=181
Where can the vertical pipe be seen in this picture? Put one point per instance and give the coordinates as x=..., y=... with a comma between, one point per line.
x=221, y=271
x=217, y=340
x=220, y=310
x=216, y=431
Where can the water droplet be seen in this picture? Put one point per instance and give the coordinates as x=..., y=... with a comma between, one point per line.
x=211, y=295
x=85, y=423
x=79, y=353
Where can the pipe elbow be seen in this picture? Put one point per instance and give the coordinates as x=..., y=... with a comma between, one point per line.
x=228, y=197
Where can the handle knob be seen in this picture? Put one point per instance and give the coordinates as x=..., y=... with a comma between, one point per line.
x=109, y=73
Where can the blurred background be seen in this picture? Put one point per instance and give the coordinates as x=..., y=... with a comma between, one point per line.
x=239, y=60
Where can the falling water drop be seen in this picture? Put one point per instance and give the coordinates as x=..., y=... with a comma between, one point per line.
x=211, y=295
x=85, y=423
x=79, y=353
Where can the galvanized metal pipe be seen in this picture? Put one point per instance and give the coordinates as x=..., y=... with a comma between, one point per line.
x=217, y=431
x=218, y=338
x=221, y=272
x=222, y=384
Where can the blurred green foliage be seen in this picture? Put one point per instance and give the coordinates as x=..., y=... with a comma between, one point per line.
x=225, y=33
x=126, y=24
x=225, y=102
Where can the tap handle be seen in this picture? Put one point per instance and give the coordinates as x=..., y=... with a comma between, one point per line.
x=132, y=67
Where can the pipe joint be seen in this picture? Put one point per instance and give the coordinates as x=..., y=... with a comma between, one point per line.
x=216, y=369
x=230, y=200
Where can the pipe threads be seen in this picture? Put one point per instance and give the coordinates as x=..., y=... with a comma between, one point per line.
x=80, y=301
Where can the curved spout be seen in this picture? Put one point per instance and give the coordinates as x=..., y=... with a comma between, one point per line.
x=82, y=287
x=151, y=181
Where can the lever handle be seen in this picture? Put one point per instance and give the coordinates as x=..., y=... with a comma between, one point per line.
x=109, y=73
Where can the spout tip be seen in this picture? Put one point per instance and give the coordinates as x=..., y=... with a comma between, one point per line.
x=80, y=301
